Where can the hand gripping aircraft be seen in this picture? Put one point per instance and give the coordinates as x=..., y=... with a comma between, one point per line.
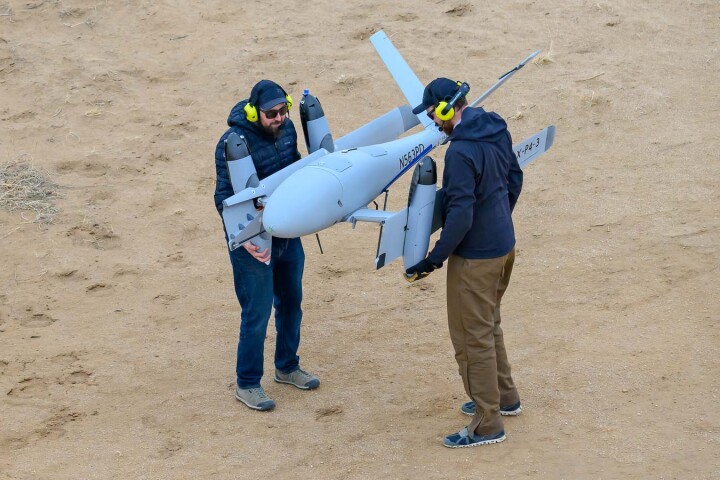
x=338, y=179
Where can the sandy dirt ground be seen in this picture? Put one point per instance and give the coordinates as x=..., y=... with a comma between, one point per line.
x=118, y=322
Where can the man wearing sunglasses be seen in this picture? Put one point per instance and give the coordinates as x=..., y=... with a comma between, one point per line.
x=481, y=184
x=270, y=134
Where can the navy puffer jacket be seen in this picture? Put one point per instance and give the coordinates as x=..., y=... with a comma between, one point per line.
x=269, y=154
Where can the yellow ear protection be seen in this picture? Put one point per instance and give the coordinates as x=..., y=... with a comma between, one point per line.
x=443, y=107
x=289, y=101
x=445, y=110
x=251, y=111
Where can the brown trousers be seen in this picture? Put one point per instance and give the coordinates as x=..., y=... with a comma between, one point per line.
x=474, y=291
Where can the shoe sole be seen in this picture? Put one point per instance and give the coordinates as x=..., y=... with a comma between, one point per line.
x=254, y=407
x=486, y=442
x=511, y=413
x=301, y=387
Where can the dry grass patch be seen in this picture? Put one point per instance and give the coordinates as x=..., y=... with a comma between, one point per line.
x=519, y=114
x=592, y=99
x=25, y=188
x=460, y=10
x=545, y=57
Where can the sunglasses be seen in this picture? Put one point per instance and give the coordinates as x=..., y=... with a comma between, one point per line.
x=431, y=114
x=270, y=114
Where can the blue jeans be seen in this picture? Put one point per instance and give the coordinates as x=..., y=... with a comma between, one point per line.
x=258, y=288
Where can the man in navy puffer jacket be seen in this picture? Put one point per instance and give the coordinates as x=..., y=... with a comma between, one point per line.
x=272, y=141
x=481, y=184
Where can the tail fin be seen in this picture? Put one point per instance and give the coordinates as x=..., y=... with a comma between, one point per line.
x=402, y=73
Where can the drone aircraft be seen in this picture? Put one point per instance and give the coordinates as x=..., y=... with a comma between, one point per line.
x=339, y=179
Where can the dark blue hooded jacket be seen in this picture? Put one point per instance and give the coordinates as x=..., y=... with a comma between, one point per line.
x=269, y=154
x=481, y=183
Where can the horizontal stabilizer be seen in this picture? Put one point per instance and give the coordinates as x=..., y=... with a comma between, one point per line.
x=369, y=215
x=392, y=238
x=392, y=231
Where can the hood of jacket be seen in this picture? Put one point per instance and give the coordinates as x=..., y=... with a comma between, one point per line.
x=237, y=118
x=477, y=124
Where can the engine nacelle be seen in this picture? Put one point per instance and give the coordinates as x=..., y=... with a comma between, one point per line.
x=242, y=175
x=314, y=124
x=421, y=204
x=240, y=164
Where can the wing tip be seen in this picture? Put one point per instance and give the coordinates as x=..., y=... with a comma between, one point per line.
x=379, y=35
x=550, y=137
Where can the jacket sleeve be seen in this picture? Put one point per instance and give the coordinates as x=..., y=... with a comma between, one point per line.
x=459, y=203
x=223, y=186
x=515, y=180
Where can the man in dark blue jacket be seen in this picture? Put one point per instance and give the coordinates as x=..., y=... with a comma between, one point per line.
x=263, y=120
x=481, y=183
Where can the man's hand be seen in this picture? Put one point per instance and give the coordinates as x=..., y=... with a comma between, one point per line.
x=254, y=250
x=420, y=270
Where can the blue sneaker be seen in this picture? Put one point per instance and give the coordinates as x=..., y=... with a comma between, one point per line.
x=468, y=408
x=463, y=439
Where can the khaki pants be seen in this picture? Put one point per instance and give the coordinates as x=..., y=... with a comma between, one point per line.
x=474, y=291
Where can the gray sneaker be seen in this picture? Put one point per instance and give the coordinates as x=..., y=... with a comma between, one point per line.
x=299, y=378
x=254, y=398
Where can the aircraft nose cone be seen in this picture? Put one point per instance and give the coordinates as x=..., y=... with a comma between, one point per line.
x=306, y=202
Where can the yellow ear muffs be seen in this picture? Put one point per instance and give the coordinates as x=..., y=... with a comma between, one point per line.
x=444, y=116
x=251, y=113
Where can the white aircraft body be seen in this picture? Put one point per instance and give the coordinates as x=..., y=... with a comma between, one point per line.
x=339, y=179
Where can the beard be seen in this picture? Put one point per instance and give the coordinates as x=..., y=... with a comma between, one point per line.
x=446, y=127
x=273, y=130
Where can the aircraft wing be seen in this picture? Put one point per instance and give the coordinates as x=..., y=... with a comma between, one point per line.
x=406, y=79
x=534, y=146
x=402, y=233
x=526, y=152
x=385, y=128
